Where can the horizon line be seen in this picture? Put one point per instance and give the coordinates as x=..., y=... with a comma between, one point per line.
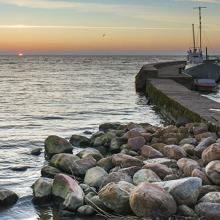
x=22, y=26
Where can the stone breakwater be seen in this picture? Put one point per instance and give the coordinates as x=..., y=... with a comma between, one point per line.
x=132, y=171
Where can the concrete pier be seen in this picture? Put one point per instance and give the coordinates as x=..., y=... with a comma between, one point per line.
x=170, y=90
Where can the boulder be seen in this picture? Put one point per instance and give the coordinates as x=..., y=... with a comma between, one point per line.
x=87, y=189
x=211, y=153
x=155, y=140
x=187, y=165
x=201, y=136
x=106, y=163
x=150, y=152
x=185, y=191
x=124, y=161
x=90, y=152
x=115, y=196
x=184, y=210
x=199, y=173
x=189, y=149
x=171, y=177
x=213, y=171
x=174, y=152
x=199, y=128
x=213, y=197
x=135, y=127
x=94, y=136
x=81, y=166
x=116, y=143
x=42, y=189
x=95, y=202
x=110, y=126
x=191, y=141
x=160, y=169
x=116, y=177
x=158, y=146
x=20, y=168
x=128, y=152
x=72, y=164
x=145, y=175
x=56, y=145
x=147, y=136
x=130, y=170
x=203, y=145
x=67, y=189
x=208, y=188
x=136, y=143
x=148, y=200
x=79, y=141
x=165, y=161
x=171, y=141
x=94, y=176
x=208, y=210
x=7, y=198
x=64, y=162
x=49, y=171
x=86, y=210
x=131, y=134
x=36, y=151
x=101, y=140
x=89, y=195
x=87, y=132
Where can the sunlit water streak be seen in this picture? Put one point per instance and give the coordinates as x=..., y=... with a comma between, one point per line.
x=60, y=95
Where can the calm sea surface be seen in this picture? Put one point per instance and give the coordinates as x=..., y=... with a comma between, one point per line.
x=61, y=95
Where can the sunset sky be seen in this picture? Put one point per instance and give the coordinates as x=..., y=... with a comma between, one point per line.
x=105, y=26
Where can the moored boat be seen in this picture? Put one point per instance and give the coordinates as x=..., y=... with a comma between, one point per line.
x=205, y=85
x=206, y=73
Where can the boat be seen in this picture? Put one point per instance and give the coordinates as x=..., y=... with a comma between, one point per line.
x=205, y=72
x=205, y=85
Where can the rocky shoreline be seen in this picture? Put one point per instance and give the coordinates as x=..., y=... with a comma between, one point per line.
x=132, y=171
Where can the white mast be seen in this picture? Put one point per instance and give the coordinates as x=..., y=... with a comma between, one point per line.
x=194, y=41
x=200, y=26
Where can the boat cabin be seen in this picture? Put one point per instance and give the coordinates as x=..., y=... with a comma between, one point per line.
x=194, y=56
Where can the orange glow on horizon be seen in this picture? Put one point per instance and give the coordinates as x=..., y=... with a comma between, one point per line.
x=93, y=40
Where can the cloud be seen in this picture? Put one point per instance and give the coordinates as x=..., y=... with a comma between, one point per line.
x=86, y=27
x=47, y=4
x=61, y=4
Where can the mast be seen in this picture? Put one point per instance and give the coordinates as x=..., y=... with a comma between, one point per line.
x=200, y=26
x=194, y=41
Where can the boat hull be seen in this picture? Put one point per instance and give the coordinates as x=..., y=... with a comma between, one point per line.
x=205, y=85
x=204, y=71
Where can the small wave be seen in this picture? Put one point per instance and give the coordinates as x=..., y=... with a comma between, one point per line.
x=52, y=118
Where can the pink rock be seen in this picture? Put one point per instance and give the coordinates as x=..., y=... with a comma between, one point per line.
x=150, y=152
x=174, y=152
x=148, y=200
x=160, y=169
x=123, y=161
x=202, y=176
x=136, y=143
x=69, y=190
x=211, y=153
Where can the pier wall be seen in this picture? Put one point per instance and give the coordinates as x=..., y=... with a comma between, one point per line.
x=158, y=70
x=170, y=91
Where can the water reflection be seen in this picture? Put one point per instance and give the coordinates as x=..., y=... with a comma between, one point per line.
x=41, y=96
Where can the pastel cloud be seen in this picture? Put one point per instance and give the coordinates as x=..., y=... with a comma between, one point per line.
x=59, y=4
